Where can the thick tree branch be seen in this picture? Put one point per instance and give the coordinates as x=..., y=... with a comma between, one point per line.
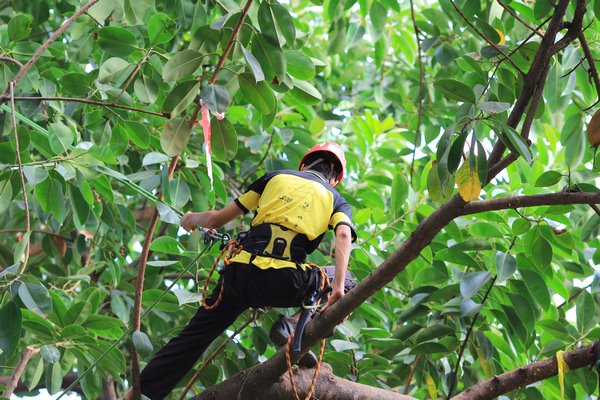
x=531, y=80
x=549, y=199
x=328, y=387
x=534, y=372
x=13, y=381
x=25, y=69
x=574, y=30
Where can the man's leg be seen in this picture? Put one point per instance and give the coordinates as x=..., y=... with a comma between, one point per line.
x=177, y=357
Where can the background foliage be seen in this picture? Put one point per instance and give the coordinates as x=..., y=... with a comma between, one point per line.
x=510, y=286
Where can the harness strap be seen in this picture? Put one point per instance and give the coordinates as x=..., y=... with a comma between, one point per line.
x=232, y=248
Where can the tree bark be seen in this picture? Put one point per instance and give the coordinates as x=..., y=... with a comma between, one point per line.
x=328, y=387
x=13, y=380
x=534, y=372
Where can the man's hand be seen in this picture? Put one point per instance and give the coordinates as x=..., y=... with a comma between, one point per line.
x=189, y=221
x=335, y=295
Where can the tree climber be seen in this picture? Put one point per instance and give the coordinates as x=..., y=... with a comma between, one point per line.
x=293, y=210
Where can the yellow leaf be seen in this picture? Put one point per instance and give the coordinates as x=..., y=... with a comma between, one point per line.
x=502, y=38
x=468, y=183
x=593, y=130
x=485, y=365
x=562, y=368
x=431, y=387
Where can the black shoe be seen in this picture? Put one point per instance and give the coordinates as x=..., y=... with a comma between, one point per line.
x=280, y=333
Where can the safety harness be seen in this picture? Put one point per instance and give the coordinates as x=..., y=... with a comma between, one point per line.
x=271, y=240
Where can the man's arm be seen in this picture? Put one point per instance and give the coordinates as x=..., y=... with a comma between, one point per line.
x=211, y=219
x=343, y=246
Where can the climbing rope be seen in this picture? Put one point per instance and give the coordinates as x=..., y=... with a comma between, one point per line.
x=232, y=248
x=288, y=349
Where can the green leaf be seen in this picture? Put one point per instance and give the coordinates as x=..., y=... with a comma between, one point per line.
x=161, y=29
x=299, y=66
x=305, y=93
x=428, y=348
x=168, y=303
x=187, y=297
x=548, y=178
x=37, y=374
x=270, y=57
x=56, y=376
x=472, y=282
x=586, y=312
x=146, y=89
x=175, y=136
x=224, y=139
x=541, y=251
x=285, y=22
x=536, y=286
x=181, y=97
x=6, y=195
x=166, y=244
x=114, y=69
x=554, y=328
x=343, y=345
x=519, y=144
x=378, y=14
x=493, y=107
x=19, y=27
x=468, y=307
x=258, y=94
x=542, y=8
x=521, y=226
x=77, y=313
x=182, y=65
x=137, y=132
x=179, y=192
x=50, y=354
x=216, y=97
x=10, y=330
x=276, y=23
x=257, y=71
x=434, y=332
x=490, y=33
x=455, y=90
x=61, y=137
x=400, y=190
x=35, y=297
x=142, y=343
x=75, y=83
x=439, y=193
x=37, y=324
x=116, y=41
x=506, y=265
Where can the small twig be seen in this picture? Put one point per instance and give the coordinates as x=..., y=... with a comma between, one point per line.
x=498, y=49
x=516, y=16
x=132, y=76
x=12, y=60
x=18, y=371
x=411, y=373
x=574, y=296
x=590, y=59
x=464, y=344
x=214, y=355
x=11, y=86
x=231, y=42
x=25, y=69
x=93, y=102
x=58, y=235
x=421, y=89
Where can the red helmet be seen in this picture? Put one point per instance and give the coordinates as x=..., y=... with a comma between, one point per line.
x=328, y=147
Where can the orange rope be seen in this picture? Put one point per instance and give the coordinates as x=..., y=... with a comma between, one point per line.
x=232, y=248
x=288, y=359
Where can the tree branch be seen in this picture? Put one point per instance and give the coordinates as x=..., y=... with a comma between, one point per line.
x=421, y=88
x=479, y=33
x=12, y=60
x=516, y=16
x=550, y=199
x=464, y=344
x=25, y=69
x=531, y=81
x=13, y=381
x=11, y=87
x=534, y=372
x=593, y=71
x=93, y=102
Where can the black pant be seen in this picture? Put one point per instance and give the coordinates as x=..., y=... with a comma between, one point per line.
x=245, y=286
